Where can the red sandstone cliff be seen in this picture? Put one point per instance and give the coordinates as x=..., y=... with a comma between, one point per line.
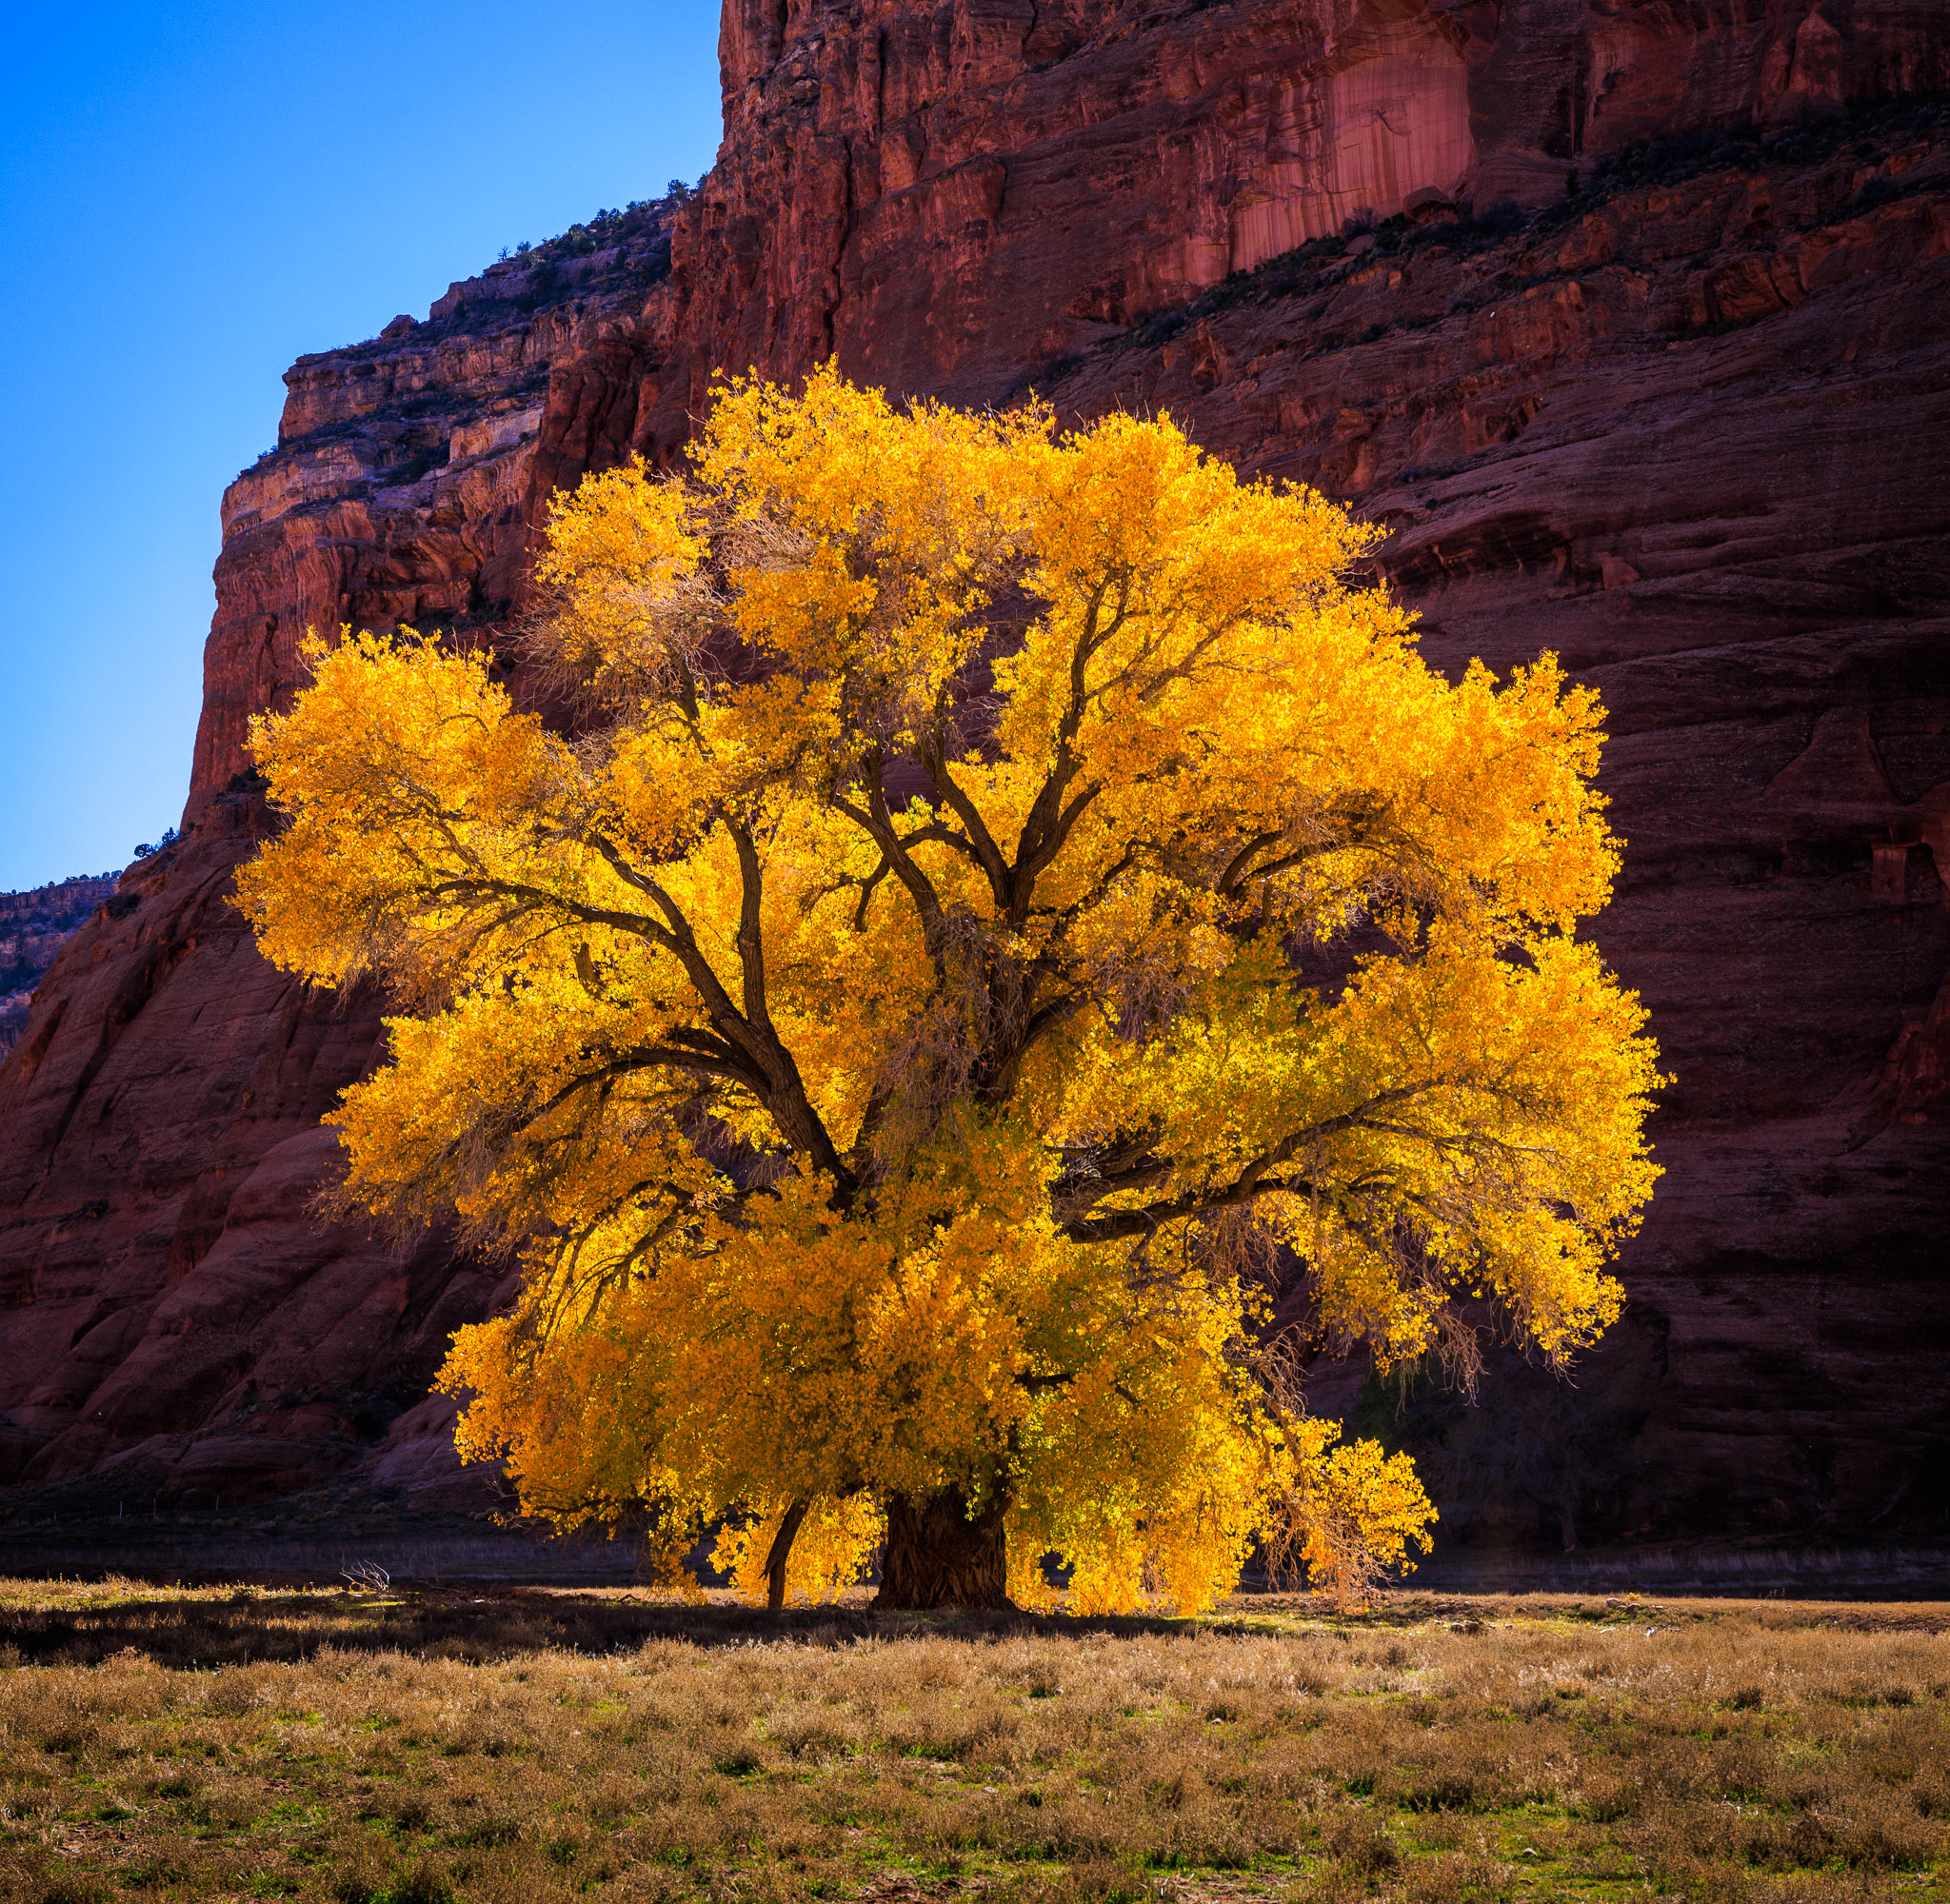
x=1679, y=414
x=33, y=927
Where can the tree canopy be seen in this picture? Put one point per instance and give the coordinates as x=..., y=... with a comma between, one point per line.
x=998, y=950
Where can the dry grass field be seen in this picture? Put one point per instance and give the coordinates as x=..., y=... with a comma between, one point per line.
x=525, y=1746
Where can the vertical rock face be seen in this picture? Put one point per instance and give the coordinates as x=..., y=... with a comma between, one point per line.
x=950, y=197
x=396, y=491
x=1665, y=430
x=1678, y=415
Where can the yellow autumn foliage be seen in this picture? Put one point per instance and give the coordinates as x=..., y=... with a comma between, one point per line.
x=1013, y=936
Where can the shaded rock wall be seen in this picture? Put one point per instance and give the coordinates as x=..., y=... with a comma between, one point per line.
x=1690, y=431
x=1679, y=416
x=170, y=1298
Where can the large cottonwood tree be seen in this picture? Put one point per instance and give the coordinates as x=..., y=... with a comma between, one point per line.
x=999, y=895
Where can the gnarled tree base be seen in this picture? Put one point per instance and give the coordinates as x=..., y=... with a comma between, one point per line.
x=936, y=1557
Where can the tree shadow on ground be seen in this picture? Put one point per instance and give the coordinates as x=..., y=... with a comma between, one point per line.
x=481, y=1622
x=487, y=1622
x=469, y=1623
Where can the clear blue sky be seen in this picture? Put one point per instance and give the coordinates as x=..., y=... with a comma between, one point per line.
x=190, y=196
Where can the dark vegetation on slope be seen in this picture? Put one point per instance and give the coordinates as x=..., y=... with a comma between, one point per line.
x=33, y=927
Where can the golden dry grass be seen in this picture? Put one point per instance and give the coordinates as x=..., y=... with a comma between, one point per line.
x=475, y=1745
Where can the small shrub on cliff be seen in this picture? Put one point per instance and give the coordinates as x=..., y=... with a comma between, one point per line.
x=909, y=1027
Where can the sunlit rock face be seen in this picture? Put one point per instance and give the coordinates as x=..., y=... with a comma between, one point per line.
x=1680, y=417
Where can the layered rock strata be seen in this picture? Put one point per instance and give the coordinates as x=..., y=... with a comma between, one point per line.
x=398, y=489
x=33, y=927
x=1690, y=433
x=1678, y=414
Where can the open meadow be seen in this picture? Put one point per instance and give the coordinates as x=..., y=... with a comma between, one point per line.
x=475, y=1743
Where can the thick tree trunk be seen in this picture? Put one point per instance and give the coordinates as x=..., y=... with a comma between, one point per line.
x=936, y=1557
x=780, y=1552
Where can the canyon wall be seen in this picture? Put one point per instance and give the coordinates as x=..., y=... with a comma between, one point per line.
x=1677, y=410
x=33, y=927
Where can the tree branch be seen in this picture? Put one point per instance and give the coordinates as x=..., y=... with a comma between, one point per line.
x=1251, y=1181
x=878, y=823
x=986, y=854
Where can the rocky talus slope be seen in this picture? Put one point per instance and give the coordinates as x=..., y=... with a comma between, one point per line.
x=1640, y=358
